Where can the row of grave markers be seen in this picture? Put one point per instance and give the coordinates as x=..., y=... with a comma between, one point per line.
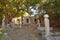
x=46, y=21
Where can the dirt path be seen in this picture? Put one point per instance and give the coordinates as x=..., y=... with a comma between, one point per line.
x=25, y=33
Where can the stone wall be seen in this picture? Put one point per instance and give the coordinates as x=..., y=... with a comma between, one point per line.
x=26, y=20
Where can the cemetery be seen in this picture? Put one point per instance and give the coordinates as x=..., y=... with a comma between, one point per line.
x=29, y=20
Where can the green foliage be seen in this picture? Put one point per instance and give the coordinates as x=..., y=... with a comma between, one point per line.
x=15, y=6
x=1, y=15
x=19, y=14
x=53, y=8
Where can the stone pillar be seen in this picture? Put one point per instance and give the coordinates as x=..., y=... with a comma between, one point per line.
x=20, y=22
x=5, y=36
x=3, y=22
x=38, y=25
x=47, y=28
x=13, y=23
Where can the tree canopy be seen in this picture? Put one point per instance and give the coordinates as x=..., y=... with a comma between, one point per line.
x=16, y=8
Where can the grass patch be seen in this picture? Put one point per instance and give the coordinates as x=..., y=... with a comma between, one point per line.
x=38, y=34
x=1, y=33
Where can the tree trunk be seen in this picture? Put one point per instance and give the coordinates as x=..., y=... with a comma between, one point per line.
x=8, y=18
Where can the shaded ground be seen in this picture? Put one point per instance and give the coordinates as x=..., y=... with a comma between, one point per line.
x=24, y=33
